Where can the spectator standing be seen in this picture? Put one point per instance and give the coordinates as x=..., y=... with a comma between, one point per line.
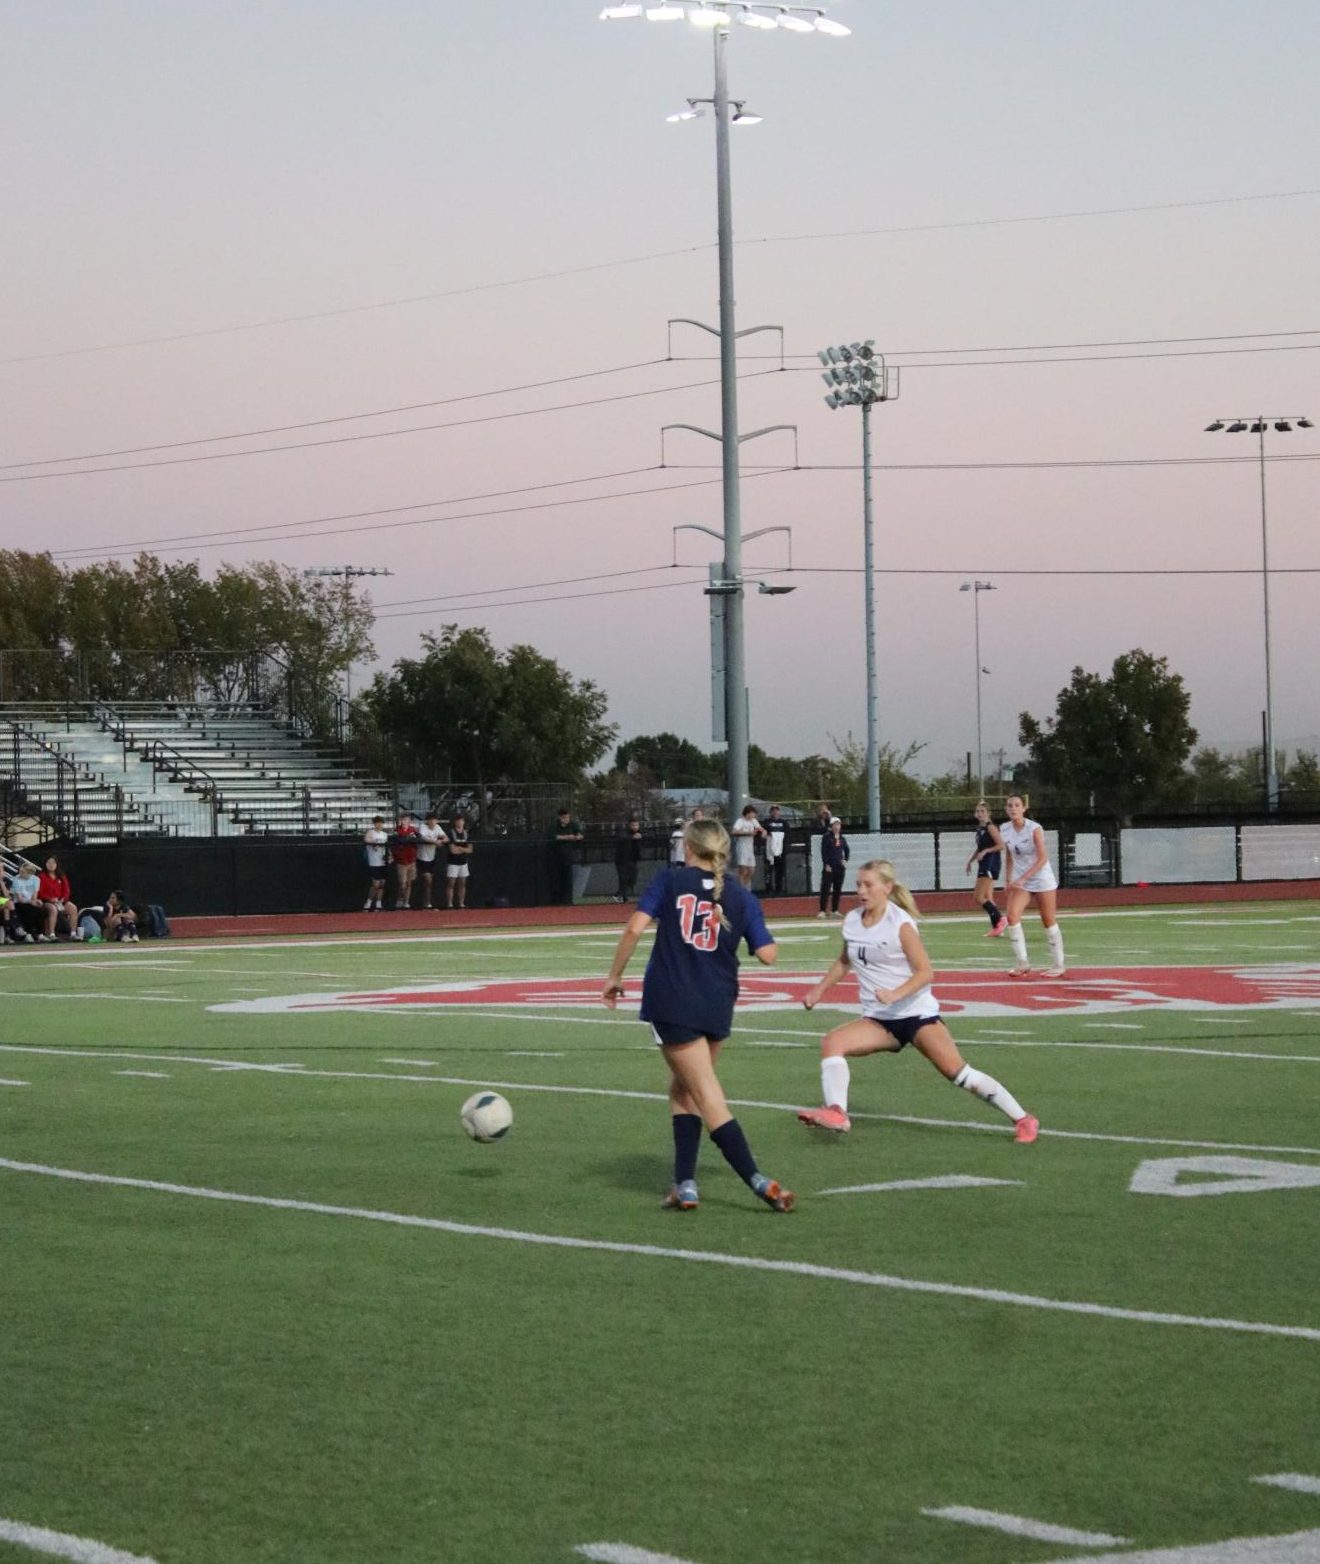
x=566, y=835
x=430, y=836
x=56, y=902
x=676, y=856
x=746, y=828
x=834, y=854
x=775, y=827
x=458, y=853
x=25, y=893
x=403, y=846
x=376, y=850
x=627, y=855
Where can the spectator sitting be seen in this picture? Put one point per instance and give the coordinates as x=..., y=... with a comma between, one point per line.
x=25, y=894
x=114, y=920
x=57, y=903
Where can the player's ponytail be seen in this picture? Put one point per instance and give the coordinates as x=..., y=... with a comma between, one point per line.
x=894, y=887
x=709, y=842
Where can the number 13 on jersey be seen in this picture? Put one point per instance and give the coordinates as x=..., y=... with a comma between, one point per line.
x=699, y=922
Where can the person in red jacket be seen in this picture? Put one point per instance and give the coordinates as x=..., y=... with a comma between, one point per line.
x=403, y=849
x=56, y=901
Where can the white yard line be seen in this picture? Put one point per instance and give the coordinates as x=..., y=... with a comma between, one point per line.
x=691, y=1256
x=4, y=1082
x=146, y=1075
x=63, y=993
x=1298, y=1547
x=1021, y=1526
x=60, y=1545
x=624, y=1553
x=300, y=1072
x=939, y=1181
x=1294, y=1482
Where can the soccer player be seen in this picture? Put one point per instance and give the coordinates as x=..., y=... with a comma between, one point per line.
x=987, y=855
x=1029, y=874
x=688, y=995
x=883, y=950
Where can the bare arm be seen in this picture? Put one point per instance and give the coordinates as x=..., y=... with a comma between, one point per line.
x=633, y=930
x=767, y=955
x=837, y=972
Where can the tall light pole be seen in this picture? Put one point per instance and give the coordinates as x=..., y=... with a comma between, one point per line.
x=718, y=16
x=347, y=574
x=976, y=588
x=857, y=377
x=1258, y=423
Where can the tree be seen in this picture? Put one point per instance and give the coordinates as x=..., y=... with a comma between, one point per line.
x=665, y=760
x=1122, y=741
x=486, y=716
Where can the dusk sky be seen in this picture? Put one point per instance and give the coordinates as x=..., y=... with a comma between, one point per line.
x=1083, y=232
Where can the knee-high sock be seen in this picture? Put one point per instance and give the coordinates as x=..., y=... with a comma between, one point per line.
x=989, y=1090
x=687, y=1143
x=1018, y=939
x=1054, y=939
x=834, y=1076
x=735, y=1150
x=991, y=910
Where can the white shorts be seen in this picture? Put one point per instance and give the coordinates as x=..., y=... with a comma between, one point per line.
x=744, y=855
x=456, y=871
x=1046, y=880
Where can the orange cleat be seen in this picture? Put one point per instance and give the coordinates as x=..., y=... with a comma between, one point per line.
x=1026, y=1130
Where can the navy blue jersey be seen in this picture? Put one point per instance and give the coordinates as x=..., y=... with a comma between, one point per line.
x=692, y=977
x=989, y=866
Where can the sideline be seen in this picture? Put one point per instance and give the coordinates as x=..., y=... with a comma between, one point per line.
x=692, y=1256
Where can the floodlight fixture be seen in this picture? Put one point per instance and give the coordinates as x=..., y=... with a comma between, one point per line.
x=693, y=111
x=708, y=16
x=620, y=13
x=1236, y=427
x=795, y=24
x=1282, y=425
x=1304, y=423
x=741, y=116
x=1257, y=427
x=831, y=28
x=770, y=589
x=750, y=18
x=1215, y=427
x=665, y=12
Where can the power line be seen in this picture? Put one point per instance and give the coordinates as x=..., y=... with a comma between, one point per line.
x=942, y=570
x=639, y=260
x=1114, y=461
x=1059, y=347
x=563, y=597
x=340, y=418
x=380, y=434
x=525, y=586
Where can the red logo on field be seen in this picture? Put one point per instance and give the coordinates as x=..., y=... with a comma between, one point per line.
x=1087, y=991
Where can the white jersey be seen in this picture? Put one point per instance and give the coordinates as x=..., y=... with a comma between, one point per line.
x=429, y=838
x=375, y=845
x=676, y=845
x=878, y=961
x=1020, y=845
x=743, y=832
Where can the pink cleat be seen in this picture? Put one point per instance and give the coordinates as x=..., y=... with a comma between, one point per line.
x=1021, y=972
x=1000, y=928
x=831, y=1118
x=1026, y=1130
x=1056, y=972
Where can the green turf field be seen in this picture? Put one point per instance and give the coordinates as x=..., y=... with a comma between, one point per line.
x=404, y=1348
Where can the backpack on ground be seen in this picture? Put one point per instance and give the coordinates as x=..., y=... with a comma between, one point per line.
x=156, y=924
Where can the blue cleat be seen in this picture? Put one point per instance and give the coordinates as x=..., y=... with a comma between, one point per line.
x=682, y=1197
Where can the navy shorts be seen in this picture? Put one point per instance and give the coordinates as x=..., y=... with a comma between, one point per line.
x=989, y=867
x=666, y=1032
x=905, y=1029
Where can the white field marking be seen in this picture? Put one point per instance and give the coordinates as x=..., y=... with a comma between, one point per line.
x=624, y=1553
x=425, y=1064
x=693, y=1256
x=1021, y=1526
x=63, y=993
x=1114, y=1026
x=1145, y=1048
x=148, y=1075
x=1298, y=1547
x=4, y=1082
x=1241, y=1176
x=1294, y=1482
x=940, y=1181
x=532, y=1053
x=1229, y=1020
x=1241, y=923
x=762, y=1042
x=116, y=965
x=300, y=1070
x=60, y=1545
x=991, y=1031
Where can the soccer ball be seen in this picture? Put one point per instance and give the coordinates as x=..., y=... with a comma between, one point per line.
x=486, y=1116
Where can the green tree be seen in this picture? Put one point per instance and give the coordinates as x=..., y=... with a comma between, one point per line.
x=1123, y=740
x=487, y=716
x=665, y=760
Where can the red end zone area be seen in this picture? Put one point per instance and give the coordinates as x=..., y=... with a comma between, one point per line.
x=1088, y=991
x=273, y=925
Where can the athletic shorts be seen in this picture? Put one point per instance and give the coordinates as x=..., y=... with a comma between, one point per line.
x=989, y=867
x=456, y=871
x=903, y=1028
x=665, y=1032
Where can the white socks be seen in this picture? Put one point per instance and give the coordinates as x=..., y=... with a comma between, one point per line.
x=989, y=1090
x=1054, y=939
x=1017, y=938
x=834, y=1077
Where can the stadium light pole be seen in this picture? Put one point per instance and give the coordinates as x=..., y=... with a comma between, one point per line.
x=347, y=574
x=857, y=377
x=976, y=588
x=1258, y=423
x=718, y=16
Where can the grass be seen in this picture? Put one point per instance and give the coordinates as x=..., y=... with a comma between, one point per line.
x=204, y=1382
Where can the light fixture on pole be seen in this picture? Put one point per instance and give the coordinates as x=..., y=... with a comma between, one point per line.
x=857, y=377
x=1258, y=423
x=976, y=588
x=718, y=16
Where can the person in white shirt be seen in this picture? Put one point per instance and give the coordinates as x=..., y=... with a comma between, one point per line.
x=430, y=835
x=884, y=952
x=744, y=832
x=375, y=849
x=1028, y=873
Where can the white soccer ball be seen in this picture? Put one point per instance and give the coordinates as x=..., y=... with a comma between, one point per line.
x=486, y=1116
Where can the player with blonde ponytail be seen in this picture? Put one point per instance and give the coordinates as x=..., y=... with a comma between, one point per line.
x=884, y=951
x=688, y=995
